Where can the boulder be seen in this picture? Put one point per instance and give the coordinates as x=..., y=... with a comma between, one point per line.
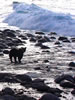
x=67, y=84
x=7, y=91
x=72, y=64
x=64, y=77
x=40, y=33
x=49, y=96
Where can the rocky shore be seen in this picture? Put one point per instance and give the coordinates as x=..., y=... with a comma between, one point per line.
x=48, y=66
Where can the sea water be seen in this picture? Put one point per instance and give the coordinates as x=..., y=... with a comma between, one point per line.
x=40, y=15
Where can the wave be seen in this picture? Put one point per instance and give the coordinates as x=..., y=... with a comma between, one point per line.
x=33, y=17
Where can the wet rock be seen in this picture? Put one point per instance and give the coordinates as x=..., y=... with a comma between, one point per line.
x=66, y=40
x=8, y=32
x=7, y=91
x=73, y=91
x=40, y=33
x=71, y=52
x=7, y=97
x=64, y=77
x=38, y=44
x=40, y=86
x=24, y=78
x=52, y=37
x=53, y=33
x=49, y=96
x=37, y=68
x=44, y=39
x=62, y=38
x=72, y=64
x=67, y=84
x=73, y=39
x=29, y=35
x=44, y=47
x=32, y=39
x=57, y=43
x=46, y=61
x=6, y=51
x=38, y=80
x=24, y=97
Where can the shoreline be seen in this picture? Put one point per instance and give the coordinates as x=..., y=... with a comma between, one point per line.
x=47, y=57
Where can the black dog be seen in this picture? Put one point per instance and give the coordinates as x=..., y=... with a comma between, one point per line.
x=16, y=53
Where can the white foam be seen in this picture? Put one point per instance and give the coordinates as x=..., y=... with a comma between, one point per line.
x=33, y=17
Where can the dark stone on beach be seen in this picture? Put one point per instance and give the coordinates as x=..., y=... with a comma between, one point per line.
x=7, y=97
x=24, y=97
x=62, y=38
x=40, y=33
x=32, y=39
x=73, y=91
x=52, y=37
x=64, y=77
x=10, y=44
x=29, y=35
x=39, y=86
x=72, y=64
x=57, y=43
x=67, y=84
x=24, y=78
x=44, y=47
x=73, y=39
x=71, y=52
x=38, y=80
x=46, y=61
x=6, y=51
x=8, y=32
x=38, y=44
x=53, y=33
x=44, y=39
x=49, y=96
x=66, y=40
x=7, y=91
x=37, y=68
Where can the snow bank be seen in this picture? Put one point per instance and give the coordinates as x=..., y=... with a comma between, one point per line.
x=33, y=17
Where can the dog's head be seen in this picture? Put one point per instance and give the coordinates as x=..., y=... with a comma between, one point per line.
x=23, y=49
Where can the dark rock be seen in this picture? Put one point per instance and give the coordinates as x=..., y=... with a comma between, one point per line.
x=24, y=78
x=40, y=86
x=38, y=80
x=71, y=52
x=7, y=91
x=40, y=33
x=29, y=35
x=6, y=51
x=73, y=91
x=38, y=44
x=7, y=97
x=37, y=68
x=72, y=64
x=73, y=39
x=67, y=84
x=57, y=43
x=46, y=61
x=8, y=32
x=64, y=77
x=44, y=47
x=62, y=38
x=44, y=39
x=49, y=96
x=32, y=39
x=66, y=40
x=52, y=37
x=24, y=97
x=53, y=33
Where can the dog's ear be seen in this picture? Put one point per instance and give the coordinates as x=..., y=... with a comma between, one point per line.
x=24, y=49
